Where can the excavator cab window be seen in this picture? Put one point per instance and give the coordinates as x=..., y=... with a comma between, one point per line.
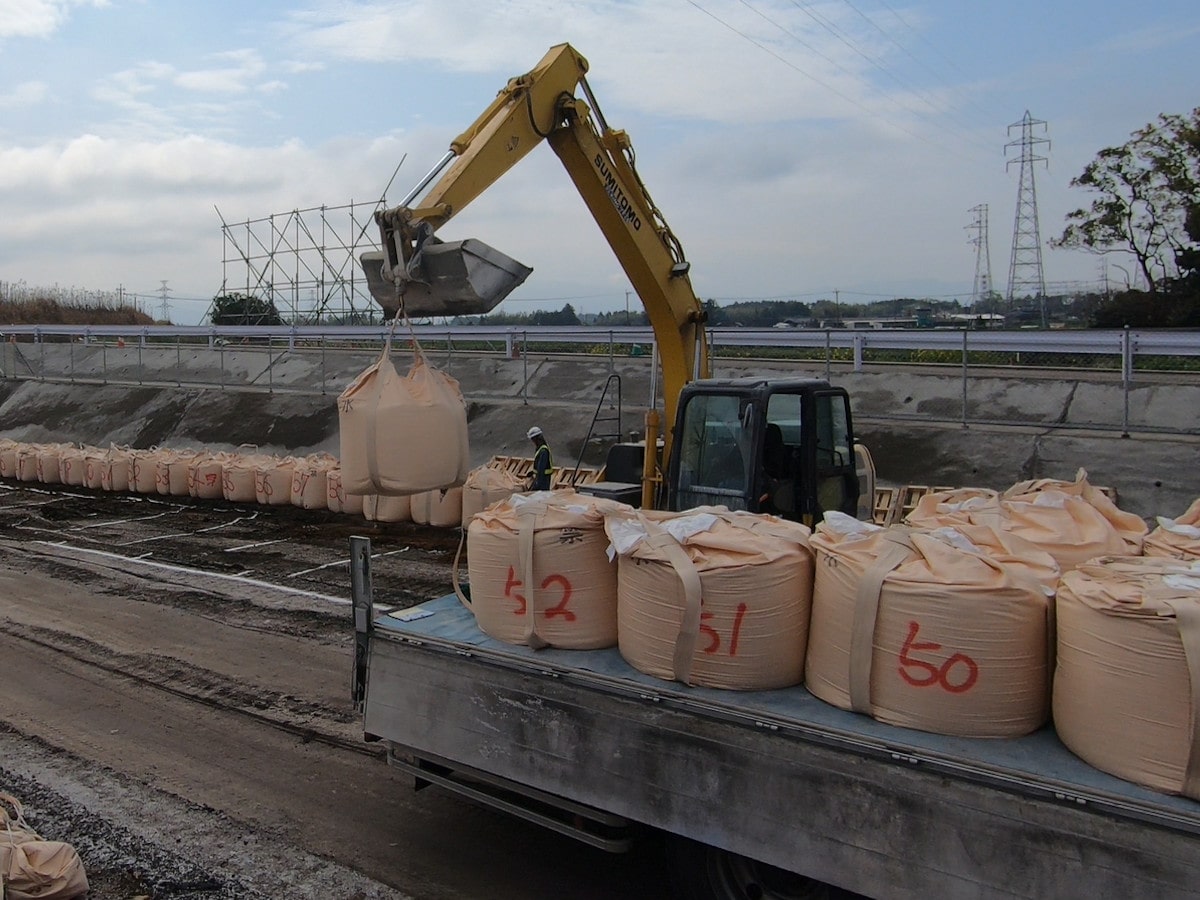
x=836, y=477
x=714, y=452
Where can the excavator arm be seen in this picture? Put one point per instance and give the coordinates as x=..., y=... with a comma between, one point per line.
x=541, y=105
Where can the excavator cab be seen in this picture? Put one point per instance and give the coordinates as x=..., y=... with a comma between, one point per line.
x=784, y=447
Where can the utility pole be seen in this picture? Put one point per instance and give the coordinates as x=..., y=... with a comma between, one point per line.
x=982, y=287
x=1025, y=274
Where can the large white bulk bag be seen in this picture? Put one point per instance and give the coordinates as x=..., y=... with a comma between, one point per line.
x=172, y=476
x=713, y=597
x=27, y=462
x=144, y=473
x=1127, y=686
x=961, y=506
x=946, y=631
x=310, y=481
x=1080, y=533
x=49, y=464
x=487, y=485
x=1176, y=538
x=8, y=458
x=94, y=462
x=72, y=466
x=116, y=469
x=441, y=509
x=206, y=476
x=336, y=497
x=402, y=435
x=540, y=573
x=385, y=509
x=239, y=474
x=273, y=480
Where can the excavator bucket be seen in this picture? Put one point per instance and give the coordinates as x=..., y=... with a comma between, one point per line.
x=454, y=278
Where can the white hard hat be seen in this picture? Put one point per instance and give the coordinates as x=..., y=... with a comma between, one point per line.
x=533, y=432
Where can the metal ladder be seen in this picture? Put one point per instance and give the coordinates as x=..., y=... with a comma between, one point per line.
x=612, y=418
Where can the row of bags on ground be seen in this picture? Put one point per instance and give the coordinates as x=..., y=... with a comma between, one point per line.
x=954, y=628
x=310, y=482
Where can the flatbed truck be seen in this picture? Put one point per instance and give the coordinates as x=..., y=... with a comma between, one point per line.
x=760, y=794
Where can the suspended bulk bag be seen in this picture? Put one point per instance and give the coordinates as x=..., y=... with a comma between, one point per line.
x=714, y=598
x=116, y=469
x=1127, y=686
x=402, y=435
x=384, y=509
x=946, y=631
x=238, y=477
x=144, y=471
x=49, y=464
x=540, y=573
x=8, y=458
x=487, y=485
x=273, y=481
x=1177, y=538
x=72, y=466
x=441, y=509
x=205, y=476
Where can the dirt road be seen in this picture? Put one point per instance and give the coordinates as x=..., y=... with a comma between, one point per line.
x=175, y=702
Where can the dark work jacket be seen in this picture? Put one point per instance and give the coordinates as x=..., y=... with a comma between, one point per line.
x=543, y=466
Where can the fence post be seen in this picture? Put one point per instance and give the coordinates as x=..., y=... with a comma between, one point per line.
x=322, y=365
x=964, y=379
x=859, y=341
x=828, y=355
x=1126, y=377
x=525, y=363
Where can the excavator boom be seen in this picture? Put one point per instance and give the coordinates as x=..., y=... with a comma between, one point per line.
x=417, y=273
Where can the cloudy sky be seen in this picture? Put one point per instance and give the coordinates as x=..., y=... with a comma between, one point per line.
x=796, y=148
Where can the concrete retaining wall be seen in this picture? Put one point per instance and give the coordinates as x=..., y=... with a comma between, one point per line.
x=284, y=401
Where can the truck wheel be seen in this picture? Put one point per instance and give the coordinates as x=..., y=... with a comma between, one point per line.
x=701, y=872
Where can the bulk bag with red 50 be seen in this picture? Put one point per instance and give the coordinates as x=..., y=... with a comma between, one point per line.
x=540, y=573
x=713, y=597
x=946, y=630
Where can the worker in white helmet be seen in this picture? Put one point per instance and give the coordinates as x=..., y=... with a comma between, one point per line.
x=543, y=462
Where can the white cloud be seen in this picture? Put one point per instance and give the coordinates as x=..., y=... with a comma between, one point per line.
x=243, y=67
x=25, y=94
x=665, y=59
x=38, y=18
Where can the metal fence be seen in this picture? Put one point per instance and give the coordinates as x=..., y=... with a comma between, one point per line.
x=1101, y=380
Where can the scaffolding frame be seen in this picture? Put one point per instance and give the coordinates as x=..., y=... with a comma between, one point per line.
x=304, y=261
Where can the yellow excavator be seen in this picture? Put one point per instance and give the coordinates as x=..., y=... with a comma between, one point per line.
x=782, y=446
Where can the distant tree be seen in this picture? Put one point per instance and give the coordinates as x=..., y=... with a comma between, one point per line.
x=1148, y=202
x=565, y=316
x=244, y=309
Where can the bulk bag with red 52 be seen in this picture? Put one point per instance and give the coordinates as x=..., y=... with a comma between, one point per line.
x=946, y=631
x=539, y=571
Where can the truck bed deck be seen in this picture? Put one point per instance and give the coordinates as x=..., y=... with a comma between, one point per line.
x=778, y=775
